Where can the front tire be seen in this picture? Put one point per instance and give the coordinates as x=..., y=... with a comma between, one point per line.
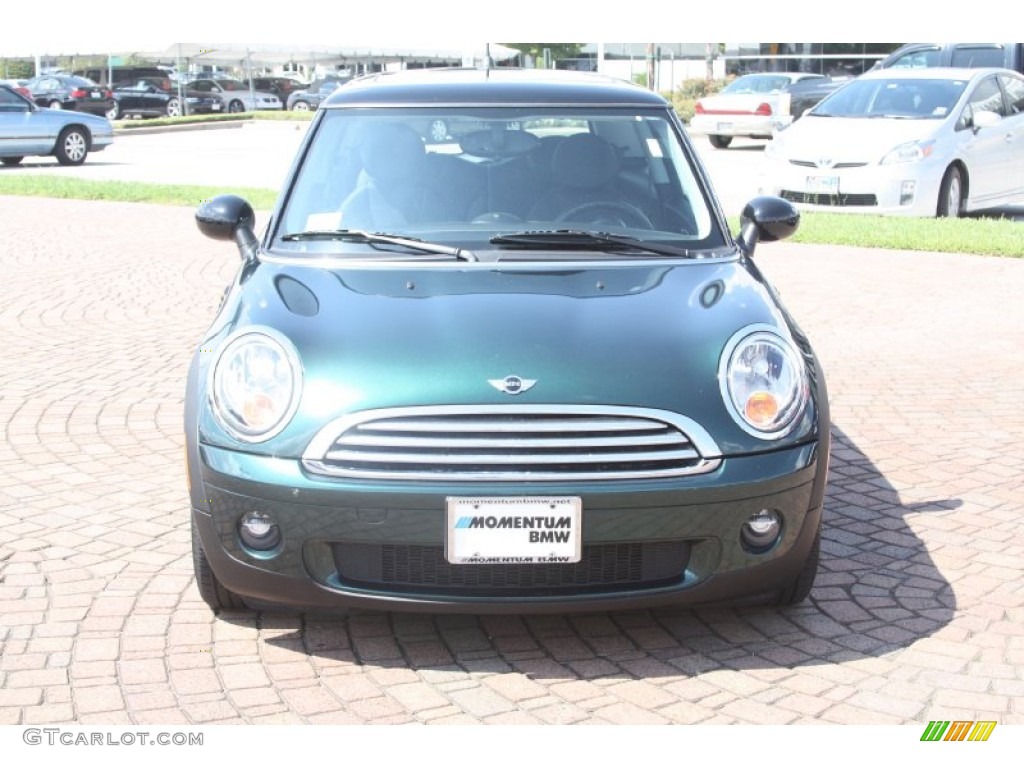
x=720, y=142
x=951, y=194
x=236, y=106
x=173, y=108
x=301, y=106
x=72, y=146
x=214, y=594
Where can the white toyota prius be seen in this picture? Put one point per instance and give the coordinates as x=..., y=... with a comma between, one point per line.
x=926, y=142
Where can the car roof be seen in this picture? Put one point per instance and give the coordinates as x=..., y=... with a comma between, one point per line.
x=500, y=86
x=933, y=73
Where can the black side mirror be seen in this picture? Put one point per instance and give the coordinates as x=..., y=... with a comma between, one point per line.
x=766, y=218
x=229, y=217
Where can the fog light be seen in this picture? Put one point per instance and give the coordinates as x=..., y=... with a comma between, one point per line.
x=907, y=192
x=761, y=530
x=259, y=531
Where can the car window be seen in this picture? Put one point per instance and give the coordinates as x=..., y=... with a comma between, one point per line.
x=756, y=84
x=896, y=98
x=11, y=102
x=978, y=56
x=987, y=97
x=918, y=59
x=1014, y=87
x=461, y=176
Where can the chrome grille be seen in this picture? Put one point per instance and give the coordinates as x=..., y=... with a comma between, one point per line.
x=825, y=169
x=840, y=200
x=514, y=443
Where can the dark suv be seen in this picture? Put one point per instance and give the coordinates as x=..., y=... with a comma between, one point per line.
x=115, y=77
x=971, y=55
x=314, y=93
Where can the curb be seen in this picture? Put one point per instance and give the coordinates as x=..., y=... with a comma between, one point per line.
x=220, y=124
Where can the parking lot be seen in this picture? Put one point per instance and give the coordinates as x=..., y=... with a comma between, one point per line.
x=917, y=613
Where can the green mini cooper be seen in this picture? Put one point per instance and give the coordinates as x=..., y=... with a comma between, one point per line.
x=519, y=365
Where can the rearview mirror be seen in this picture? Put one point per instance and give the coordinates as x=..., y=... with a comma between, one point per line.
x=766, y=218
x=229, y=217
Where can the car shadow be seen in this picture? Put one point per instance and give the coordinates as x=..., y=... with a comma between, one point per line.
x=877, y=591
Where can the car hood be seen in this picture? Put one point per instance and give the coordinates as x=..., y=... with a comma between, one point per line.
x=844, y=139
x=645, y=336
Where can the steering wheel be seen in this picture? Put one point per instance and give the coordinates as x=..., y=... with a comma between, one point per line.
x=622, y=214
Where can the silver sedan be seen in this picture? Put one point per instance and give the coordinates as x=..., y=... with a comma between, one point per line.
x=26, y=129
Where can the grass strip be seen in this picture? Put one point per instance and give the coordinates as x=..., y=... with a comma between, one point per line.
x=989, y=236
x=45, y=185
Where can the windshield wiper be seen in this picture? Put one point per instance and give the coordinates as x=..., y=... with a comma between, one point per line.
x=380, y=238
x=581, y=240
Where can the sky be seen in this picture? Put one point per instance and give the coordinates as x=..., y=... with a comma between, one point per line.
x=114, y=25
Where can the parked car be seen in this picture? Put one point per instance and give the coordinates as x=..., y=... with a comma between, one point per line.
x=234, y=95
x=70, y=92
x=116, y=77
x=800, y=96
x=27, y=129
x=310, y=97
x=971, y=55
x=746, y=107
x=17, y=85
x=157, y=97
x=918, y=142
x=531, y=371
x=282, y=87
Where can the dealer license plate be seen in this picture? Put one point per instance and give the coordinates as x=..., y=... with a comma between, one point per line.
x=724, y=126
x=823, y=185
x=517, y=530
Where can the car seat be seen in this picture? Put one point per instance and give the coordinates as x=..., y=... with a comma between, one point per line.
x=584, y=169
x=393, y=190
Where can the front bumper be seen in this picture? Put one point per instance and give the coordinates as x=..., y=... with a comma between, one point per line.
x=901, y=189
x=342, y=541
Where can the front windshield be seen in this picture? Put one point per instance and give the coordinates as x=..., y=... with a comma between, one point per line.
x=909, y=98
x=461, y=177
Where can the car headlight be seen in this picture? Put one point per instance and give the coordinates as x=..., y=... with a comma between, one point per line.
x=763, y=382
x=255, y=385
x=910, y=152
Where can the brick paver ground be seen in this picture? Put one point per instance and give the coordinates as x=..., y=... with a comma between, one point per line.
x=917, y=614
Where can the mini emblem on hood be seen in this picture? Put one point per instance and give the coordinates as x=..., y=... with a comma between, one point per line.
x=512, y=385
x=825, y=162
